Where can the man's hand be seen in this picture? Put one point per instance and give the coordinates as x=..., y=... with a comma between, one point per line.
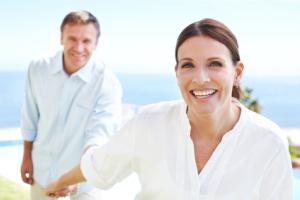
x=27, y=170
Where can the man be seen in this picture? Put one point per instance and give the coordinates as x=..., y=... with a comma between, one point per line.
x=71, y=103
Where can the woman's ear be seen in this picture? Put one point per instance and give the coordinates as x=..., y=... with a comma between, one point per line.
x=239, y=67
x=175, y=69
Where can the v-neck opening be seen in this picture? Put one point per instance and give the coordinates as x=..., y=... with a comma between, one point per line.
x=219, y=150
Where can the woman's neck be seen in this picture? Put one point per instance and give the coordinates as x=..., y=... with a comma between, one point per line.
x=214, y=125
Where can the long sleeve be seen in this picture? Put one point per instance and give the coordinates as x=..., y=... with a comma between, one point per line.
x=277, y=182
x=30, y=112
x=106, y=165
x=106, y=116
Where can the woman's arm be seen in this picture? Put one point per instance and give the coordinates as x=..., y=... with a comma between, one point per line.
x=101, y=166
x=69, y=178
x=277, y=181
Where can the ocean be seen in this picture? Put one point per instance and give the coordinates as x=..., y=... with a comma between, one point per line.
x=279, y=96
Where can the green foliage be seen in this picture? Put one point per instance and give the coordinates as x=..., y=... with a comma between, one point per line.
x=294, y=151
x=12, y=191
x=249, y=102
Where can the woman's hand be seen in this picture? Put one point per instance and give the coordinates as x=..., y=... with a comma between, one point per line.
x=53, y=190
x=66, y=184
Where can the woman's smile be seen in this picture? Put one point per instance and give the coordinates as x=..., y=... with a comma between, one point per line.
x=204, y=93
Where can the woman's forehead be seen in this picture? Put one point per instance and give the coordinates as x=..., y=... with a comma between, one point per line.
x=203, y=47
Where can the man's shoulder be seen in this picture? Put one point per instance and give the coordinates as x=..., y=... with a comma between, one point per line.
x=40, y=63
x=103, y=74
x=98, y=67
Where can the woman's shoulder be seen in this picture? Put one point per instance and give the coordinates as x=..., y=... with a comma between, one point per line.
x=161, y=107
x=160, y=111
x=263, y=127
x=154, y=118
x=260, y=121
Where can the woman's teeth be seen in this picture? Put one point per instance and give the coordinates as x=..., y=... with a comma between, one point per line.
x=203, y=93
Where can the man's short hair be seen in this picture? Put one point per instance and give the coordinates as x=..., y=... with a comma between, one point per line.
x=80, y=17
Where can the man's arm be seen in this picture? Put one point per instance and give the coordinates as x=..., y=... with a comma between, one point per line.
x=107, y=113
x=29, y=120
x=27, y=166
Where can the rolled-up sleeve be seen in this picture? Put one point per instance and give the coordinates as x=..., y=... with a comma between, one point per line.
x=107, y=113
x=106, y=165
x=30, y=112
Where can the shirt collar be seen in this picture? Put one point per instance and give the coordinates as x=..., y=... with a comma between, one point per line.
x=185, y=123
x=58, y=63
x=85, y=73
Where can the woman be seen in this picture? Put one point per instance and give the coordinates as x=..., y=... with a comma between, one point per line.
x=207, y=147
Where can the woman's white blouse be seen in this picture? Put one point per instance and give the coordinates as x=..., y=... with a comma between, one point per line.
x=251, y=162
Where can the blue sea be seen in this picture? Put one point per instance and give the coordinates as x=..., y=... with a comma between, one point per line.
x=279, y=96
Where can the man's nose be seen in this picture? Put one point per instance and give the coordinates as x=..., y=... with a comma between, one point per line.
x=79, y=46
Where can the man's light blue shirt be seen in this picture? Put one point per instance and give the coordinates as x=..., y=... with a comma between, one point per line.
x=63, y=114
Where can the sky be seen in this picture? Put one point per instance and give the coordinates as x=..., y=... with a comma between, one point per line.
x=139, y=36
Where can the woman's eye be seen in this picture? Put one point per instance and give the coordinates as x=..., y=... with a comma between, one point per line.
x=215, y=64
x=187, y=65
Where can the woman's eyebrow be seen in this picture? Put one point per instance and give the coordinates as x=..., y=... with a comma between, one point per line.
x=185, y=59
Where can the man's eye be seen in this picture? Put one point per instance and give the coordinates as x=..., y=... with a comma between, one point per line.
x=86, y=41
x=215, y=64
x=187, y=65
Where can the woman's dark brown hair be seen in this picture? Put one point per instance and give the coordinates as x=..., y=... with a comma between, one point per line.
x=217, y=31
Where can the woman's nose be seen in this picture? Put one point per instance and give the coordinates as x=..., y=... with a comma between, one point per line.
x=201, y=75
